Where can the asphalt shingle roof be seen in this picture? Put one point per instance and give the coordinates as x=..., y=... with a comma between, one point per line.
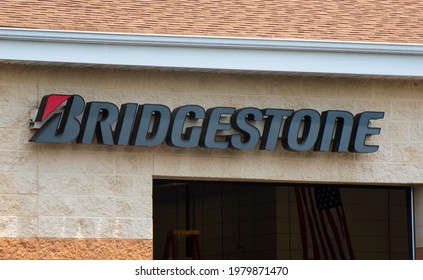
x=347, y=20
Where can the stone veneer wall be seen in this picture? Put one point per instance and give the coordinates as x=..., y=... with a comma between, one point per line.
x=70, y=200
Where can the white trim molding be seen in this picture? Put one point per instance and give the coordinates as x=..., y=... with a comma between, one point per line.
x=211, y=54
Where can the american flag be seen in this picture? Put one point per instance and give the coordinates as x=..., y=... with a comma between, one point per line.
x=324, y=231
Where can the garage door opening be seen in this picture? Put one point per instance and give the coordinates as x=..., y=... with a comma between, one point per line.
x=240, y=220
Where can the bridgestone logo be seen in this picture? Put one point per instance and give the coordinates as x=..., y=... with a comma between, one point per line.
x=191, y=126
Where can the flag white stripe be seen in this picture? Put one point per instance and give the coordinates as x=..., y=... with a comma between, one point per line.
x=323, y=230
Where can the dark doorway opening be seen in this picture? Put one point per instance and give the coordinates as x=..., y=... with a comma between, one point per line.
x=243, y=220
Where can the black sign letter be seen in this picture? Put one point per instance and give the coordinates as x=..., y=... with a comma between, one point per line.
x=160, y=115
x=125, y=123
x=340, y=122
x=98, y=118
x=212, y=124
x=251, y=135
x=272, y=127
x=192, y=134
x=362, y=129
x=291, y=138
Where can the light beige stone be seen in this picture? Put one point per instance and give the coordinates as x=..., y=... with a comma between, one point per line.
x=136, y=163
x=298, y=103
x=64, y=206
x=268, y=101
x=28, y=205
x=416, y=173
x=393, y=89
x=18, y=95
x=394, y=131
x=172, y=166
x=18, y=205
x=8, y=226
x=416, y=131
x=76, y=77
x=342, y=104
x=125, y=228
x=113, y=228
x=318, y=87
x=67, y=184
x=96, y=206
x=66, y=227
x=142, y=228
x=27, y=226
x=135, y=207
x=18, y=75
x=416, y=89
x=316, y=170
x=251, y=168
x=27, y=183
x=380, y=105
x=331, y=156
x=14, y=117
x=208, y=167
x=8, y=183
x=80, y=162
x=184, y=98
x=278, y=85
x=407, y=152
x=28, y=95
x=407, y=110
x=353, y=88
x=8, y=139
x=6, y=96
x=209, y=85
x=95, y=228
x=145, y=81
x=145, y=183
x=116, y=185
x=85, y=227
x=282, y=169
x=383, y=154
x=22, y=140
x=374, y=172
x=229, y=100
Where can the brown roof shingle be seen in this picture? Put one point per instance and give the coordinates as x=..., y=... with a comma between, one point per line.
x=347, y=20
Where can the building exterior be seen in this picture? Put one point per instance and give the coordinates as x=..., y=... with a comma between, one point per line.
x=119, y=201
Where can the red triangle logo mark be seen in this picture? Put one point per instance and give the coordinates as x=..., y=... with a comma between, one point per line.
x=53, y=101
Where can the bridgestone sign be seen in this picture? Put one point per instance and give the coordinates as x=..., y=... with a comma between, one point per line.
x=191, y=126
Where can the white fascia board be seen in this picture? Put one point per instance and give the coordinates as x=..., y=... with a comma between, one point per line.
x=210, y=53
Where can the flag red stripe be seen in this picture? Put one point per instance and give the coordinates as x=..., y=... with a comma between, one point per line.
x=302, y=222
x=341, y=214
x=337, y=235
x=310, y=228
x=316, y=223
x=327, y=237
x=324, y=232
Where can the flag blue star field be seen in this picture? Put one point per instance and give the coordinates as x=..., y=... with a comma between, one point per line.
x=324, y=231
